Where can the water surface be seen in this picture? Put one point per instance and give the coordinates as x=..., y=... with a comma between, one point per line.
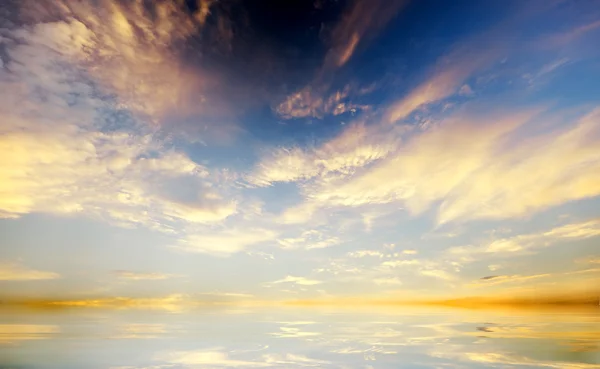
x=299, y=338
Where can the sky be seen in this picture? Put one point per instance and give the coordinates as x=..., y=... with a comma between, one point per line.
x=270, y=151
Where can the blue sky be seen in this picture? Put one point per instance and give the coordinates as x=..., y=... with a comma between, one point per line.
x=246, y=151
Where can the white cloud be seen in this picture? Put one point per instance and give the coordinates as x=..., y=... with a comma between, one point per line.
x=297, y=280
x=365, y=253
x=355, y=147
x=78, y=150
x=308, y=240
x=528, y=242
x=437, y=273
x=224, y=242
x=387, y=281
x=495, y=164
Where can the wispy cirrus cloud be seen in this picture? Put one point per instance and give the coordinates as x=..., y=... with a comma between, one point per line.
x=441, y=164
x=568, y=36
x=358, y=24
x=355, y=147
x=527, y=243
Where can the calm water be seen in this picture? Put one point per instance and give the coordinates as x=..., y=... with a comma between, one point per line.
x=299, y=338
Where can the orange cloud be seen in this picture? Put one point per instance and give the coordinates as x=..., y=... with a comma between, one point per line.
x=361, y=21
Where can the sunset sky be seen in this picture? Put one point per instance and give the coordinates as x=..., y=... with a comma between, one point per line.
x=284, y=150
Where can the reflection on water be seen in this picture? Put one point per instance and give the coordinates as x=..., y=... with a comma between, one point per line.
x=298, y=338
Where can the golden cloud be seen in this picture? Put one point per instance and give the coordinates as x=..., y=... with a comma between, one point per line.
x=529, y=242
x=18, y=272
x=77, y=150
x=224, y=243
x=466, y=161
x=357, y=146
x=127, y=48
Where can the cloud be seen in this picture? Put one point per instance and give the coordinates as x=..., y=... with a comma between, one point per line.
x=261, y=254
x=590, y=260
x=140, y=276
x=358, y=23
x=225, y=242
x=128, y=49
x=465, y=90
x=107, y=175
x=309, y=240
x=387, y=281
x=437, y=273
x=78, y=144
x=512, y=174
x=398, y=263
x=502, y=279
x=528, y=242
x=365, y=253
x=571, y=35
x=18, y=272
x=427, y=268
x=446, y=78
x=297, y=280
x=355, y=147
x=309, y=102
